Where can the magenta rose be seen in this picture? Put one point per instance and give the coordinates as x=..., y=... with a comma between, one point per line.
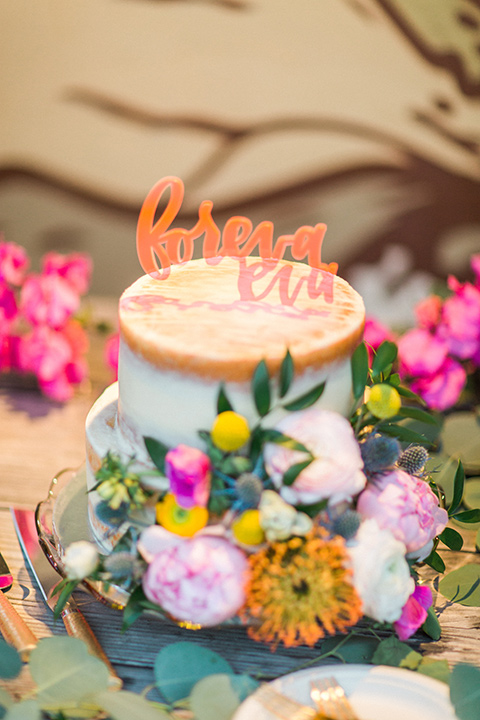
x=200, y=580
x=336, y=471
x=406, y=506
x=414, y=612
x=188, y=470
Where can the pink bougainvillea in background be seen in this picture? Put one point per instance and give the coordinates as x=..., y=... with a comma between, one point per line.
x=111, y=353
x=38, y=332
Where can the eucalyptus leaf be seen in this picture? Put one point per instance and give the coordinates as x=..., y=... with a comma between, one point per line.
x=458, y=487
x=359, y=367
x=214, y=697
x=124, y=705
x=294, y=471
x=286, y=374
x=223, y=403
x=5, y=700
x=462, y=585
x=471, y=496
x=465, y=691
x=461, y=439
x=65, y=672
x=443, y=470
x=261, y=389
x=355, y=649
x=451, y=538
x=384, y=357
x=411, y=661
x=24, y=710
x=436, y=669
x=10, y=661
x=179, y=666
x=307, y=400
x=391, y=651
x=157, y=451
x=431, y=626
x=435, y=562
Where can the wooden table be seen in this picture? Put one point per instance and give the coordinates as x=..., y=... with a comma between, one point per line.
x=37, y=439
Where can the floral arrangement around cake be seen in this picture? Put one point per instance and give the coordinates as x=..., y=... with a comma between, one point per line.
x=299, y=531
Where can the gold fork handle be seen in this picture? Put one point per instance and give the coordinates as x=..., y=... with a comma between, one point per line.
x=15, y=630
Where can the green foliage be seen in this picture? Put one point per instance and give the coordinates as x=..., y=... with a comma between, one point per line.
x=307, y=400
x=24, y=710
x=6, y=701
x=124, y=705
x=431, y=626
x=436, y=669
x=286, y=374
x=391, y=651
x=261, y=389
x=359, y=369
x=462, y=585
x=218, y=696
x=465, y=691
x=458, y=487
x=179, y=666
x=10, y=661
x=435, y=562
x=294, y=471
x=451, y=538
x=353, y=649
x=383, y=359
x=157, y=451
x=223, y=403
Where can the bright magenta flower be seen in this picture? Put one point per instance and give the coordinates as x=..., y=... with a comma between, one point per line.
x=48, y=300
x=420, y=353
x=414, y=612
x=442, y=389
x=13, y=263
x=75, y=268
x=460, y=324
x=188, y=470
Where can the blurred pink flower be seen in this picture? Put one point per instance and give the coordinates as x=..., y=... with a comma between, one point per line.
x=9, y=352
x=406, y=506
x=414, y=612
x=48, y=300
x=442, y=389
x=420, y=353
x=375, y=333
x=335, y=473
x=199, y=580
x=111, y=353
x=188, y=470
x=75, y=268
x=428, y=312
x=13, y=262
x=8, y=308
x=459, y=327
x=475, y=262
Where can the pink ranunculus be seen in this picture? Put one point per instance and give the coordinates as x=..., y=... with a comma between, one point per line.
x=335, y=473
x=442, y=389
x=13, y=263
x=414, y=612
x=460, y=324
x=75, y=268
x=48, y=300
x=200, y=580
x=189, y=471
x=428, y=312
x=406, y=506
x=420, y=353
x=375, y=333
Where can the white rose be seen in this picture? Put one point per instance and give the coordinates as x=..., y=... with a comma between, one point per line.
x=381, y=575
x=80, y=560
x=279, y=520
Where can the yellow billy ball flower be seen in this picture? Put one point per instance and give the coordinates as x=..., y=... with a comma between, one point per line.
x=383, y=401
x=179, y=520
x=230, y=431
x=247, y=529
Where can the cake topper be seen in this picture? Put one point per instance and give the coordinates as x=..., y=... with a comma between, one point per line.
x=159, y=246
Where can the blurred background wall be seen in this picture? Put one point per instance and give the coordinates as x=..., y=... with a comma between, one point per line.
x=364, y=114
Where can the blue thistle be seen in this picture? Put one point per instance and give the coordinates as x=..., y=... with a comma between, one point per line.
x=249, y=488
x=413, y=460
x=379, y=453
x=347, y=524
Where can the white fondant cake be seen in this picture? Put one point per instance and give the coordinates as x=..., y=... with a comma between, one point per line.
x=212, y=322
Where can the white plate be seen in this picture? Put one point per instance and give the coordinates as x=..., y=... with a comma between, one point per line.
x=377, y=692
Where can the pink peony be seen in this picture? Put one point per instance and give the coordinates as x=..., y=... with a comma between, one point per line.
x=13, y=263
x=406, y=506
x=188, y=470
x=442, y=390
x=420, y=353
x=414, y=612
x=75, y=268
x=460, y=324
x=199, y=580
x=48, y=300
x=335, y=473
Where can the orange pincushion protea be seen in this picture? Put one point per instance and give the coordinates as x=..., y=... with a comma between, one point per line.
x=300, y=590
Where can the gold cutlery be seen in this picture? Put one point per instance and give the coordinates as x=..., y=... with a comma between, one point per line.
x=329, y=698
x=284, y=707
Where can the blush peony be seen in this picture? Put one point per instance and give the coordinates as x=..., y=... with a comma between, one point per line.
x=336, y=471
x=406, y=506
x=200, y=580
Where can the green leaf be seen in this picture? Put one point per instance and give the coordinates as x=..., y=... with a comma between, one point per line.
x=418, y=414
x=467, y=516
x=471, y=495
x=384, y=357
x=458, y=487
x=451, y=538
x=477, y=541
x=64, y=589
x=431, y=626
x=462, y=585
x=465, y=691
x=6, y=701
x=294, y=471
x=275, y=436
x=286, y=374
x=10, y=661
x=124, y=705
x=411, y=661
x=24, y=710
x=65, y=673
x=391, y=651
x=406, y=392
x=157, y=451
x=261, y=388
x=223, y=403
x=355, y=649
x=403, y=433
x=435, y=562
x=218, y=696
x=179, y=666
x=359, y=367
x=307, y=400
x=436, y=669
x=461, y=439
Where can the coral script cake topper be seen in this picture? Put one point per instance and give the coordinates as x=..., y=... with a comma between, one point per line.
x=159, y=246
